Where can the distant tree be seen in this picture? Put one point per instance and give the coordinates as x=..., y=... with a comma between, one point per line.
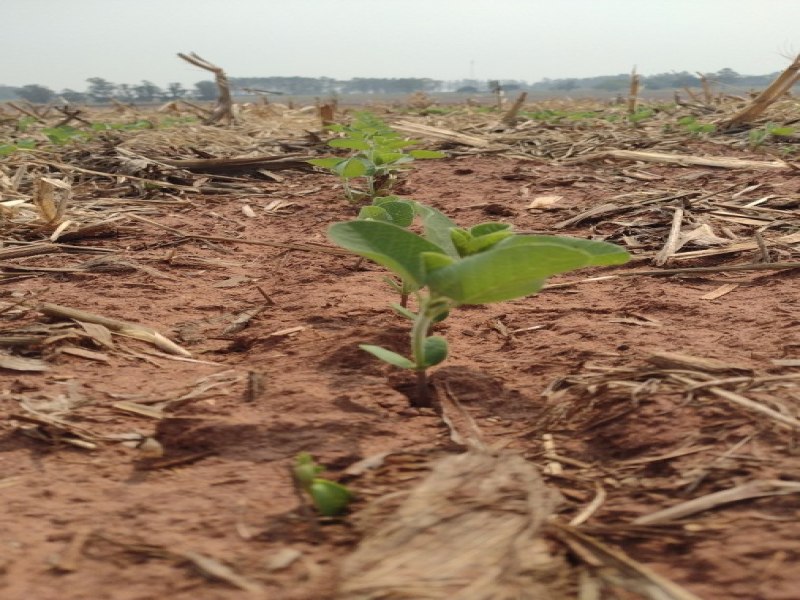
x=359, y=85
x=8, y=93
x=125, y=92
x=175, y=91
x=73, y=97
x=100, y=90
x=461, y=83
x=611, y=83
x=727, y=75
x=38, y=94
x=670, y=80
x=205, y=90
x=467, y=89
x=565, y=84
x=407, y=85
x=513, y=85
x=147, y=91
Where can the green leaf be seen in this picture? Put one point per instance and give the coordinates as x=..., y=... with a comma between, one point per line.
x=436, y=260
x=378, y=200
x=435, y=350
x=352, y=167
x=598, y=253
x=330, y=498
x=517, y=267
x=326, y=163
x=387, y=158
x=376, y=213
x=388, y=245
x=487, y=240
x=305, y=469
x=425, y=154
x=349, y=143
x=437, y=228
x=403, y=312
x=491, y=227
x=393, y=358
x=393, y=283
x=401, y=213
x=399, y=144
x=491, y=276
x=441, y=316
x=782, y=131
x=461, y=239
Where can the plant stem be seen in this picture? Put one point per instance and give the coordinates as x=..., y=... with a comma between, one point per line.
x=348, y=192
x=422, y=399
x=429, y=309
x=418, y=334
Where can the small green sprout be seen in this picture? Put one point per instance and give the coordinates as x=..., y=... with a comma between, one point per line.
x=641, y=114
x=692, y=125
x=758, y=136
x=379, y=154
x=329, y=498
x=456, y=266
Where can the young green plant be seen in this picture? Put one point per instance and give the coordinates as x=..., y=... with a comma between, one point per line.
x=329, y=498
x=379, y=154
x=448, y=266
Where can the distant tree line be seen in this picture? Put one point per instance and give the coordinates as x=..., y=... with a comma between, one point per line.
x=663, y=81
x=102, y=91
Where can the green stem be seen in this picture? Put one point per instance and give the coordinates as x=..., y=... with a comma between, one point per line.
x=348, y=192
x=419, y=332
x=428, y=310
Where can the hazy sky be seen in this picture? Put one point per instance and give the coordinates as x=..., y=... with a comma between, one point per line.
x=61, y=43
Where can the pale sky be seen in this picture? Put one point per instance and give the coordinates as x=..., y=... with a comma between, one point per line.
x=61, y=43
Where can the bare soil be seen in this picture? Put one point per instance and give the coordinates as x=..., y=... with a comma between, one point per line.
x=115, y=523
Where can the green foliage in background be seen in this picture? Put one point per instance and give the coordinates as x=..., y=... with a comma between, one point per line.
x=378, y=154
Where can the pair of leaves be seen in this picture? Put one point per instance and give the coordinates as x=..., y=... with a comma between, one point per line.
x=329, y=498
x=434, y=350
x=513, y=267
x=347, y=168
x=389, y=209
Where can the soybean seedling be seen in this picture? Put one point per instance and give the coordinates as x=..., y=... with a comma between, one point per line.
x=448, y=266
x=400, y=212
x=329, y=498
x=379, y=154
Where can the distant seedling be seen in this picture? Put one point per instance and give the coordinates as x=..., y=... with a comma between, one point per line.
x=66, y=134
x=692, y=125
x=456, y=266
x=758, y=136
x=329, y=498
x=379, y=154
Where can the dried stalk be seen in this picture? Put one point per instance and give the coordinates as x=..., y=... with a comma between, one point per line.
x=633, y=93
x=773, y=92
x=224, y=108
